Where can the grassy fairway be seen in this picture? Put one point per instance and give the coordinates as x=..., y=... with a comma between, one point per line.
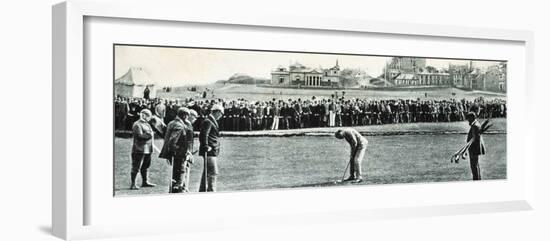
x=306, y=161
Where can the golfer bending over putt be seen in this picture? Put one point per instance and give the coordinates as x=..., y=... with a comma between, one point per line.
x=358, y=145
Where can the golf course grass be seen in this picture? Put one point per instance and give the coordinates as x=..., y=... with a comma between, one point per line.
x=264, y=162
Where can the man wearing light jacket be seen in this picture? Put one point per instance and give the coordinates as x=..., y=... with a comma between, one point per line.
x=358, y=145
x=142, y=149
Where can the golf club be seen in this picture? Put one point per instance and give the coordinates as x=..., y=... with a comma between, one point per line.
x=171, y=170
x=205, y=171
x=345, y=170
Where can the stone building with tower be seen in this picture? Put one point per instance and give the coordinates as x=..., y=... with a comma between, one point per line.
x=410, y=71
x=299, y=75
x=463, y=76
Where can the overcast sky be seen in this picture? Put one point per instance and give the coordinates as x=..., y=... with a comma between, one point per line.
x=185, y=66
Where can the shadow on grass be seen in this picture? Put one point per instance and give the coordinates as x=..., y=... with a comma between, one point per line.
x=124, y=189
x=327, y=184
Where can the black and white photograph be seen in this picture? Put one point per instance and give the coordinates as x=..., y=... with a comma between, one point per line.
x=191, y=119
x=275, y=120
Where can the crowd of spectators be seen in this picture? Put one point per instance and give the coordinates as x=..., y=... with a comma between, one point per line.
x=246, y=115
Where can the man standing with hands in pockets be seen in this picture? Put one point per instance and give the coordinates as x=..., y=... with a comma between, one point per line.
x=210, y=148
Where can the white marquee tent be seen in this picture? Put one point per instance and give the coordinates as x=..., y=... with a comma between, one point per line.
x=133, y=83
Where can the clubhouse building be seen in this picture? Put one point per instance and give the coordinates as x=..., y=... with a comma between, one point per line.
x=302, y=76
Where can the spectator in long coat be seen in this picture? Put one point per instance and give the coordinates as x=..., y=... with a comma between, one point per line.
x=477, y=147
x=146, y=93
x=142, y=149
x=209, y=139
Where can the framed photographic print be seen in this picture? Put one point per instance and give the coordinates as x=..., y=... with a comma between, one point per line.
x=280, y=118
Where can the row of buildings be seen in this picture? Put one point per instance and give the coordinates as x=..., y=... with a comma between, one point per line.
x=400, y=72
x=409, y=71
x=299, y=75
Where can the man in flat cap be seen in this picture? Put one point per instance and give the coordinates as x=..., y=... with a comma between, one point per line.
x=210, y=148
x=184, y=145
x=358, y=145
x=477, y=147
x=176, y=148
x=142, y=149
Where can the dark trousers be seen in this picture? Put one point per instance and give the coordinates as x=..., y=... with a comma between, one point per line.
x=120, y=122
x=286, y=122
x=208, y=183
x=227, y=124
x=267, y=121
x=247, y=124
x=259, y=121
x=324, y=120
x=221, y=123
x=235, y=124
x=474, y=165
x=140, y=163
x=178, y=171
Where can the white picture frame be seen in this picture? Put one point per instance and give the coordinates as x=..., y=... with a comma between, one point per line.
x=69, y=211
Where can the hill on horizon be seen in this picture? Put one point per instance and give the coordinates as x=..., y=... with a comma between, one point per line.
x=240, y=78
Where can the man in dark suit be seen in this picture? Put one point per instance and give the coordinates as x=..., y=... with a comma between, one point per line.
x=175, y=148
x=286, y=114
x=477, y=147
x=146, y=93
x=245, y=117
x=316, y=114
x=306, y=116
x=210, y=148
x=142, y=149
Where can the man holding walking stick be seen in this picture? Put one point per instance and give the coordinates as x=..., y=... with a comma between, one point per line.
x=358, y=145
x=210, y=148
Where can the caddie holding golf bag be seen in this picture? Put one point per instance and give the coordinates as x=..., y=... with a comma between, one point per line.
x=210, y=148
x=477, y=147
x=358, y=145
x=178, y=148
